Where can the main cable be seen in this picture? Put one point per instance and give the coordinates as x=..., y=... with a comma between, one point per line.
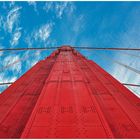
x=21, y=49
x=84, y=48
x=107, y=48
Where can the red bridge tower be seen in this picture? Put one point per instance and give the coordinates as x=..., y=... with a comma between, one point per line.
x=68, y=96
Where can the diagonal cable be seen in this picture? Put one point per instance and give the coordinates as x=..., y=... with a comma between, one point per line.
x=117, y=62
x=17, y=61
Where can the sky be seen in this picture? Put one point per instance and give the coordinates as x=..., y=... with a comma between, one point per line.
x=50, y=24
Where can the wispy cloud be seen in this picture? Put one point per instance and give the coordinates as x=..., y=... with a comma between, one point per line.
x=77, y=27
x=34, y=5
x=33, y=60
x=43, y=32
x=15, y=38
x=8, y=79
x=5, y=79
x=124, y=75
x=1, y=22
x=129, y=38
x=40, y=35
x=10, y=62
x=48, y=6
x=59, y=8
x=12, y=19
x=11, y=67
x=78, y=24
x=11, y=24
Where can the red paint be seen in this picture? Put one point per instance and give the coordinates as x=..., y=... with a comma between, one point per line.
x=68, y=96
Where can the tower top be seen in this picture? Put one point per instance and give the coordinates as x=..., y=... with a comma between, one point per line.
x=66, y=48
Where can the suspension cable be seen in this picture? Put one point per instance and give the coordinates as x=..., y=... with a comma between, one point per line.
x=21, y=49
x=17, y=61
x=84, y=48
x=107, y=48
x=117, y=62
x=12, y=52
x=129, y=54
x=7, y=83
x=134, y=85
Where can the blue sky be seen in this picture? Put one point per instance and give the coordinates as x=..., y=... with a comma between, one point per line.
x=48, y=24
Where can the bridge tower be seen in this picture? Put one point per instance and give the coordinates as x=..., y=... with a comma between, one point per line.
x=68, y=96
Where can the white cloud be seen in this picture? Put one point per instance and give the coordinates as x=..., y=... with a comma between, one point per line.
x=131, y=39
x=12, y=19
x=9, y=63
x=34, y=4
x=34, y=58
x=48, y=6
x=1, y=53
x=5, y=79
x=12, y=3
x=41, y=36
x=8, y=79
x=1, y=22
x=13, y=63
x=29, y=40
x=13, y=79
x=59, y=8
x=43, y=33
x=10, y=24
x=124, y=75
x=78, y=25
x=15, y=38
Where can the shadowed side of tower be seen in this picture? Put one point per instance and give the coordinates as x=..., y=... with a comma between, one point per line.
x=75, y=98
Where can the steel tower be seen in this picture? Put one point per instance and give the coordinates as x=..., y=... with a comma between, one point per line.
x=68, y=96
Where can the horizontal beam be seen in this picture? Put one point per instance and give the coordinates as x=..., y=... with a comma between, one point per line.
x=83, y=48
